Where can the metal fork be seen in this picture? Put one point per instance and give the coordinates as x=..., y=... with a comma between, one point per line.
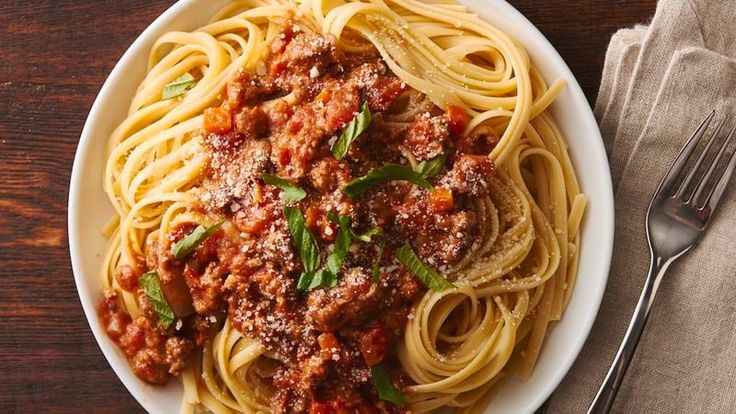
x=678, y=216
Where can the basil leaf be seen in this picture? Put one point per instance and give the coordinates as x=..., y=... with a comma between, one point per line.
x=311, y=281
x=385, y=386
x=186, y=246
x=323, y=278
x=432, y=167
x=377, y=176
x=303, y=239
x=342, y=246
x=368, y=235
x=376, y=269
x=364, y=237
x=151, y=285
x=426, y=274
x=360, y=123
x=178, y=86
x=305, y=280
x=291, y=193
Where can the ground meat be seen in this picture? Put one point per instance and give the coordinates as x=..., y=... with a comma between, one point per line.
x=426, y=137
x=328, y=174
x=352, y=301
x=379, y=90
x=469, y=175
x=206, y=289
x=152, y=352
x=307, y=52
x=441, y=238
x=127, y=276
x=246, y=88
x=235, y=173
x=309, y=128
x=252, y=122
x=283, y=120
x=447, y=239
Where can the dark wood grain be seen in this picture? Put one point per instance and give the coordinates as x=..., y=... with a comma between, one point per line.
x=54, y=56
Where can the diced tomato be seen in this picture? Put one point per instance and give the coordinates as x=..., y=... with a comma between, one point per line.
x=383, y=91
x=284, y=157
x=373, y=345
x=457, y=120
x=217, y=120
x=296, y=123
x=440, y=200
x=277, y=69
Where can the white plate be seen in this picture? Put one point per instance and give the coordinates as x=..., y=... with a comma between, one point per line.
x=89, y=208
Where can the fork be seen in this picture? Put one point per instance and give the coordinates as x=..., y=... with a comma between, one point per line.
x=677, y=217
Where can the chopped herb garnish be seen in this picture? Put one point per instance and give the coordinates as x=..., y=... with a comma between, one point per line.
x=368, y=235
x=360, y=123
x=381, y=175
x=376, y=268
x=426, y=274
x=178, y=86
x=342, y=245
x=313, y=280
x=186, y=246
x=432, y=167
x=303, y=239
x=291, y=193
x=151, y=285
x=385, y=386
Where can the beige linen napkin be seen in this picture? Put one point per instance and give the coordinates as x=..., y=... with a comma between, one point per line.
x=709, y=24
x=621, y=58
x=686, y=360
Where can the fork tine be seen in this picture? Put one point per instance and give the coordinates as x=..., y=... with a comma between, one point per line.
x=717, y=191
x=702, y=186
x=696, y=166
x=679, y=163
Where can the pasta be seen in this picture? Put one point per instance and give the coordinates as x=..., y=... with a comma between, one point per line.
x=510, y=284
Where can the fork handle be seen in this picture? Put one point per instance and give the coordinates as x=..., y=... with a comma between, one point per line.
x=607, y=392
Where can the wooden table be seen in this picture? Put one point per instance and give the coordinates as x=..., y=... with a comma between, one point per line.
x=54, y=56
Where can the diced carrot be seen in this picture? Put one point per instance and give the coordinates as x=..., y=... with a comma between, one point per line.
x=217, y=120
x=311, y=216
x=324, y=96
x=328, y=345
x=441, y=200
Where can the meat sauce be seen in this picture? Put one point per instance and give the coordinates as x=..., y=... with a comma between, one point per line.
x=283, y=122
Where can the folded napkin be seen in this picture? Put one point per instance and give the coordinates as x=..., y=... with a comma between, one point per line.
x=659, y=83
